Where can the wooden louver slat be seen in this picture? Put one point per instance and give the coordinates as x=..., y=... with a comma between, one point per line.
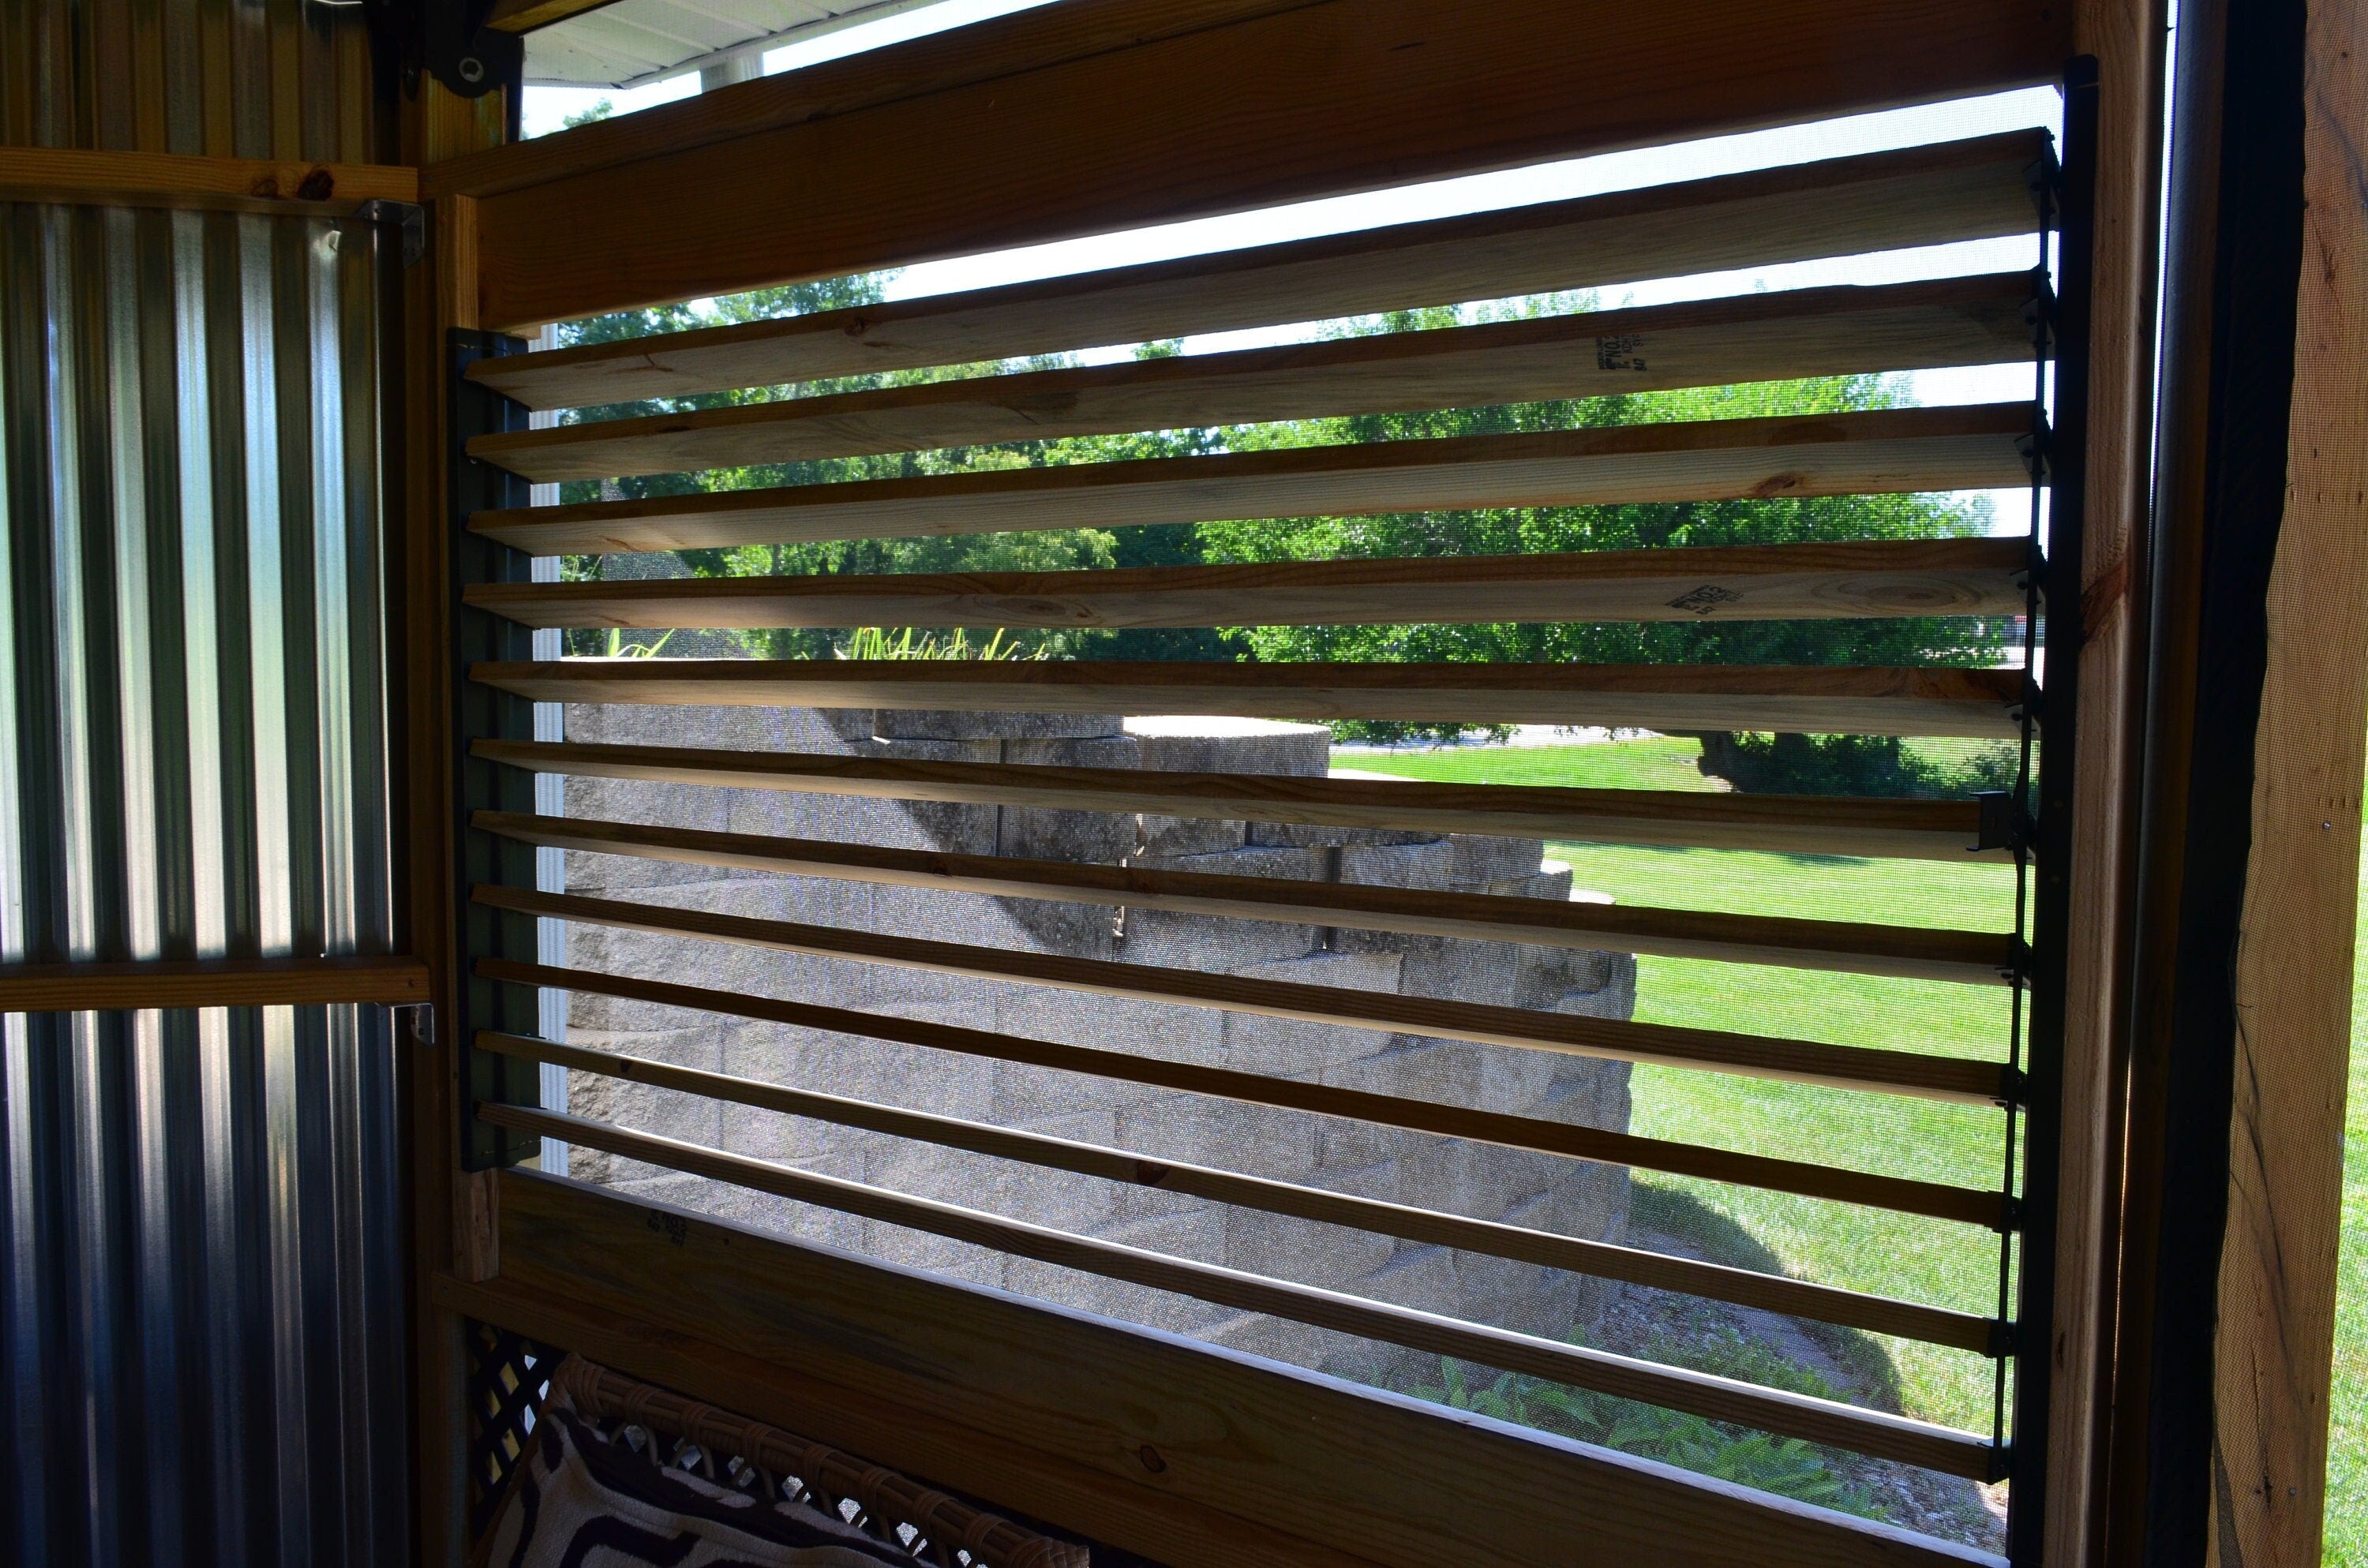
x=1874, y=1432
x=1786, y=1061
x=1913, y=702
x=1746, y=337
x=1971, y=957
x=1790, y=582
x=1932, y=830
x=1774, y=1292
x=1887, y=450
x=1977, y=188
x=1571, y=1139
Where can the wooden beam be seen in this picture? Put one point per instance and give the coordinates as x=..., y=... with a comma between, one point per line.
x=1885, y=451
x=1903, y=952
x=1874, y=1433
x=1143, y=1439
x=1917, y=196
x=1743, y=337
x=210, y=982
x=526, y=16
x=1795, y=581
x=1571, y=1141
x=1310, y=101
x=2126, y=38
x=2292, y=1025
x=1000, y=46
x=1794, y=825
x=1773, y=1292
x=1521, y=1028
x=1871, y=701
x=216, y=185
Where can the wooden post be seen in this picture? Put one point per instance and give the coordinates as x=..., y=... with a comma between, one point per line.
x=2126, y=38
x=2277, y=1279
x=436, y=125
x=2249, y=840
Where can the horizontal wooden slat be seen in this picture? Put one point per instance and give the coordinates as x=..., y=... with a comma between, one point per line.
x=1794, y=825
x=1522, y=1029
x=1768, y=581
x=1744, y=338
x=285, y=186
x=209, y=982
x=1871, y=1432
x=1818, y=700
x=1917, y=196
x=1143, y=1439
x=1881, y=451
x=1774, y=1292
x=1935, y=1200
x=1910, y=952
x=975, y=144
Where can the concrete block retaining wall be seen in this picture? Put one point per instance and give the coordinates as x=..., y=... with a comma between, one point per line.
x=1482, y=1181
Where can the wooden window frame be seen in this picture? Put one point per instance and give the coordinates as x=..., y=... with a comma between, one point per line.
x=1411, y=89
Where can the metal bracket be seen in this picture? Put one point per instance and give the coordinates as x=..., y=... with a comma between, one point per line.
x=417, y=1019
x=409, y=217
x=481, y=712
x=2001, y=825
x=448, y=39
x=2040, y=313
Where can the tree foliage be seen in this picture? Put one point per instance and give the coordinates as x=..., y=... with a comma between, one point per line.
x=1503, y=531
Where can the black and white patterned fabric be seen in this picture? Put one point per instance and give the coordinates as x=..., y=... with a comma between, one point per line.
x=581, y=1500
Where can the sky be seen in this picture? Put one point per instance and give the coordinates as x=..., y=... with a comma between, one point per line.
x=546, y=108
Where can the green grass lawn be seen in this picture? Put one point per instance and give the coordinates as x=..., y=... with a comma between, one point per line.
x=2347, y=1462
x=1832, y=1243
x=1863, y=1249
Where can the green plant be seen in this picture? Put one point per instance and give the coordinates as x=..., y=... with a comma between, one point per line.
x=1785, y=1466
x=1850, y=764
x=911, y=642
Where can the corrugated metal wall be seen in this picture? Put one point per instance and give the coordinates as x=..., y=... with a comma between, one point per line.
x=202, y=1331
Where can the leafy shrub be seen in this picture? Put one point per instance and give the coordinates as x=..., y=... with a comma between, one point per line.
x=1850, y=764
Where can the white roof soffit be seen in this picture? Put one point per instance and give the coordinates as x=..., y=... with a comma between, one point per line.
x=632, y=43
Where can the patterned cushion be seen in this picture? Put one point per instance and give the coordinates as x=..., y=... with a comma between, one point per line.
x=582, y=1501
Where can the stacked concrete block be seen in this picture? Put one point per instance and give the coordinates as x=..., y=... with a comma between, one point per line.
x=1480, y=1180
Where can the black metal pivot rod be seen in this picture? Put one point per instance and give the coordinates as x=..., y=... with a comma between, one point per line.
x=481, y=712
x=2067, y=479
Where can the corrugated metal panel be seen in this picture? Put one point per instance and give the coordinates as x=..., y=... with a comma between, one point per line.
x=201, y=1333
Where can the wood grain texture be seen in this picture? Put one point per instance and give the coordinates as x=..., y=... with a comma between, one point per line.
x=1774, y=1292
x=210, y=982
x=526, y=16
x=1566, y=1138
x=1881, y=451
x=200, y=184
x=436, y=293
x=1520, y=1028
x=1798, y=824
x=1821, y=699
x=1311, y=101
x=1909, y=952
x=2294, y=967
x=1838, y=330
x=1207, y=1458
x=1724, y=1399
x=2127, y=39
x=1780, y=582
x=1918, y=195
x=1001, y=46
